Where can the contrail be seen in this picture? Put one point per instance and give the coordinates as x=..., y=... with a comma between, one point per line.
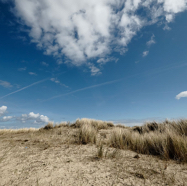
x=158, y=70
x=25, y=88
x=79, y=90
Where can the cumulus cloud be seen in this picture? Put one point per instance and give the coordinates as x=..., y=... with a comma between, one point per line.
x=5, y=84
x=88, y=29
x=145, y=53
x=181, y=95
x=36, y=118
x=3, y=110
x=31, y=117
x=151, y=41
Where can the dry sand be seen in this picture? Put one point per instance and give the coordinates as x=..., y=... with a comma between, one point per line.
x=52, y=158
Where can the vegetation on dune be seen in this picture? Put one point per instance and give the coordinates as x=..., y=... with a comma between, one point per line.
x=114, y=151
x=97, y=124
x=167, y=139
x=87, y=134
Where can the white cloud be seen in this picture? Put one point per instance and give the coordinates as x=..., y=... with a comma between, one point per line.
x=94, y=70
x=7, y=118
x=44, y=118
x=5, y=84
x=151, y=41
x=33, y=115
x=32, y=73
x=145, y=53
x=181, y=95
x=88, y=29
x=174, y=6
x=36, y=118
x=3, y=110
x=55, y=80
x=169, y=17
x=108, y=59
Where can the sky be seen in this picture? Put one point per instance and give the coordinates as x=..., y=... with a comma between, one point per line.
x=112, y=60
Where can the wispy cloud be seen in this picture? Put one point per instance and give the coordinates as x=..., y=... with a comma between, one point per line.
x=55, y=80
x=84, y=30
x=166, y=27
x=145, y=53
x=22, y=69
x=5, y=84
x=24, y=88
x=32, y=73
x=23, y=38
x=181, y=95
x=94, y=70
x=44, y=64
x=106, y=60
x=151, y=41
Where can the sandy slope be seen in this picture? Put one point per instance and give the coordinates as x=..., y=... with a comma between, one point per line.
x=51, y=158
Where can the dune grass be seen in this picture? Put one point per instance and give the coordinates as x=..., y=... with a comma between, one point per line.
x=97, y=124
x=167, y=139
x=87, y=134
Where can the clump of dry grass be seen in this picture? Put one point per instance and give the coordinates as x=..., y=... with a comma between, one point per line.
x=97, y=124
x=121, y=126
x=49, y=126
x=87, y=134
x=179, y=127
x=170, y=142
x=118, y=138
x=64, y=124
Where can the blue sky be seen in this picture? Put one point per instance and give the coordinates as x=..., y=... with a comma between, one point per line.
x=121, y=61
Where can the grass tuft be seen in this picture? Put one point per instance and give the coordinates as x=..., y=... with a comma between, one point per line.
x=87, y=134
x=49, y=126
